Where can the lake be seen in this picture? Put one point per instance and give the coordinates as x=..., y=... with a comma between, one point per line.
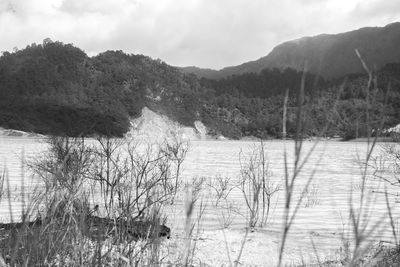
x=324, y=214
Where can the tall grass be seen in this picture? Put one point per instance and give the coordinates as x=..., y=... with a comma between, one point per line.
x=134, y=185
x=291, y=177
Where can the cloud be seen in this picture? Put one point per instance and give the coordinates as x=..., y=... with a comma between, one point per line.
x=206, y=33
x=389, y=9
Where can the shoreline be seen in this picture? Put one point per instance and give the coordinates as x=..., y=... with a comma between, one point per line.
x=383, y=139
x=18, y=133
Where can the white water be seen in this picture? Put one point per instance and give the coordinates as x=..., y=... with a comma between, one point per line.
x=336, y=180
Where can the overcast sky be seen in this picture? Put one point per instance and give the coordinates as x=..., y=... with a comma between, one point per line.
x=204, y=33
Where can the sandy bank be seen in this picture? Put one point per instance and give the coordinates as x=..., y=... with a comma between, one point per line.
x=17, y=133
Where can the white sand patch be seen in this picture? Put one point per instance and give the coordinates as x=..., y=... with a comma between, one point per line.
x=260, y=248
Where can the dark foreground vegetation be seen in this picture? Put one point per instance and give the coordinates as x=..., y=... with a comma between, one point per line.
x=55, y=88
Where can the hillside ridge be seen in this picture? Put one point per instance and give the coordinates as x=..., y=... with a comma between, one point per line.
x=329, y=55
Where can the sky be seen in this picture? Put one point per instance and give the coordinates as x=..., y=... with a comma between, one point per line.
x=203, y=33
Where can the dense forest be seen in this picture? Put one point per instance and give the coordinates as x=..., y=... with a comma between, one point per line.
x=55, y=88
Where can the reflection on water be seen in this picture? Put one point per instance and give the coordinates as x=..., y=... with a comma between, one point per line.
x=335, y=185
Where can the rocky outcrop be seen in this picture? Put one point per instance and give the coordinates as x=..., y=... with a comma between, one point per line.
x=395, y=129
x=201, y=129
x=154, y=127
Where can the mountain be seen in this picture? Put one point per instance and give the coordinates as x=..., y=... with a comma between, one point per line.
x=55, y=88
x=329, y=55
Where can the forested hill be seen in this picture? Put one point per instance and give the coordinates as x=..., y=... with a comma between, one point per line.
x=329, y=55
x=55, y=88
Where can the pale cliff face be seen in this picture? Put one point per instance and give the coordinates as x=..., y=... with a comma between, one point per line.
x=153, y=127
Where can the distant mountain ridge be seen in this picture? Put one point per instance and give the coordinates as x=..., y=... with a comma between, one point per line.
x=329, y=55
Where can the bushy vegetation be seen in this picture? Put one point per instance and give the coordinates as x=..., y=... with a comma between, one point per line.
x=101, y=203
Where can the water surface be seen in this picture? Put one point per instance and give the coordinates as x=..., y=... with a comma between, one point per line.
x=336, y=184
